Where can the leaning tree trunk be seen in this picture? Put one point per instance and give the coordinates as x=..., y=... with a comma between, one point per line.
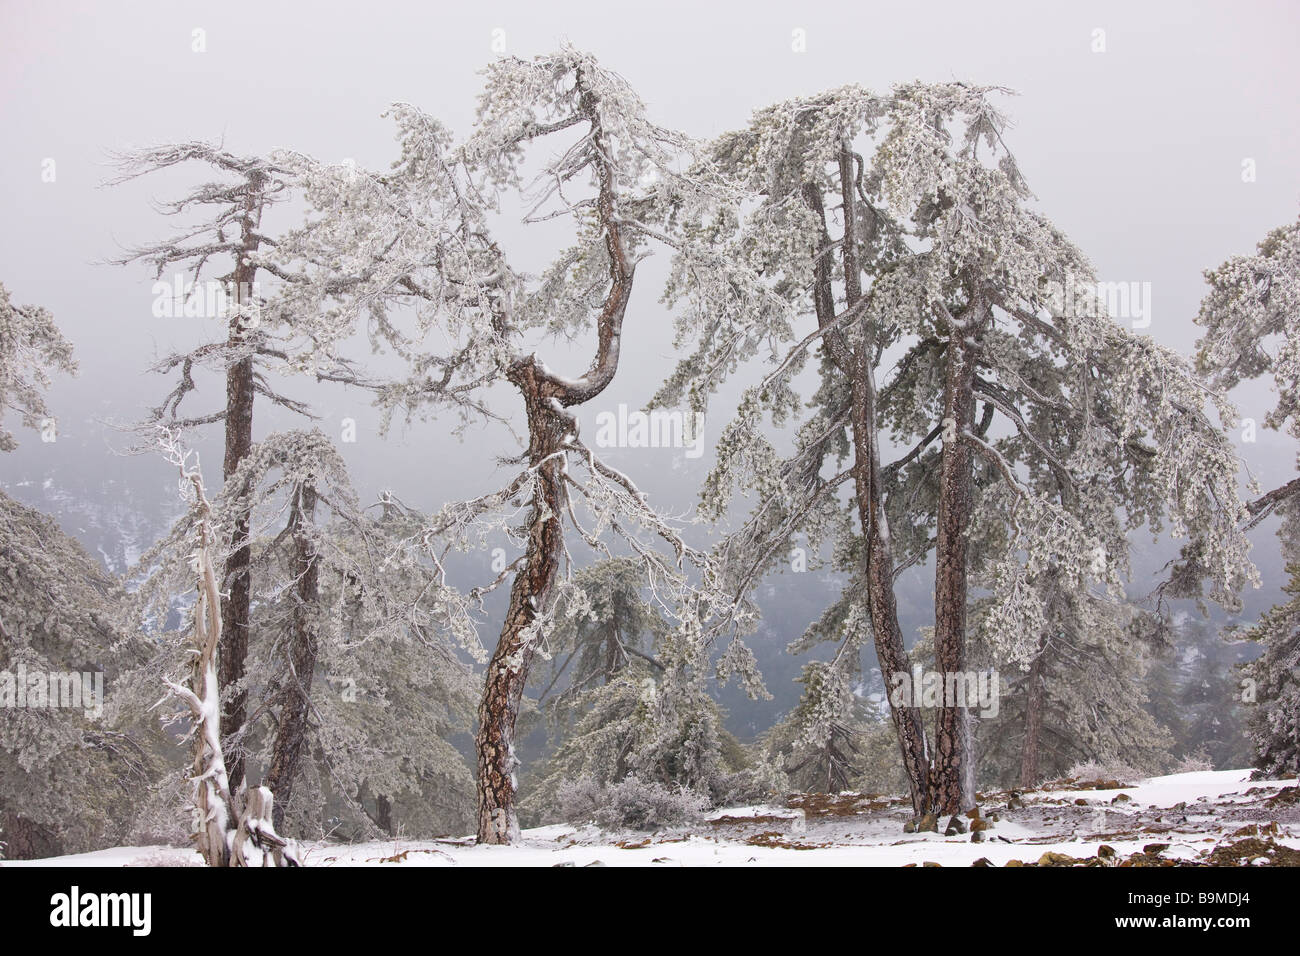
x=507, y=672
x=951, y=779
x=881, y=603
x=856, y=363
x=291, y=736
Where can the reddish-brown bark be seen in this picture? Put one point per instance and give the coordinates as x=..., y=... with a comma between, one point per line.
x=545, y=397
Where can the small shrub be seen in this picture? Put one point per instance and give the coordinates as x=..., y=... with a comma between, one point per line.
x=1106, y=770
x=629, y=804
x=577, y=800
x=755, y=784
x=1195, y=762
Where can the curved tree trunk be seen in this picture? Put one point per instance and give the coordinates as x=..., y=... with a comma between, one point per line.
x=507, y=672
x=546, y=397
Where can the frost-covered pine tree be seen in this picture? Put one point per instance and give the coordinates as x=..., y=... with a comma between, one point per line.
x=387, y=655
x=1083, y=698
x=71, y=777
x=345, y=652
x=599, y=690
x=622, y=703
x=796, y=158
x=31, y=347
x=1251, y=317
x=1029, y=424
x=1274, y=717
x=821, y=747
x=413, y=256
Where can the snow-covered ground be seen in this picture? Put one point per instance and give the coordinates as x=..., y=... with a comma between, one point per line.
x=1182, y=818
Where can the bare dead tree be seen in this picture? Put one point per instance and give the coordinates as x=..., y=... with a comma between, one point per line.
x=224, y=835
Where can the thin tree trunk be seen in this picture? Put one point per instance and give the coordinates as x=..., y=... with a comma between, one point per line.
x=1034, y=701
x=291, y=736
x=950, y=779
x=857, y=364
x=1036, y=685
x=383, y=817
x=240, y=393
x=235, y=611
x=881, y=603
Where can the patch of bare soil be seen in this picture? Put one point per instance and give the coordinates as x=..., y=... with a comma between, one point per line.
x=778, y=840
x=840, y=804
x=1253, y=851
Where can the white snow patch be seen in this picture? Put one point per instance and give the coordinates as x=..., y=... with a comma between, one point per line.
x=724, y=838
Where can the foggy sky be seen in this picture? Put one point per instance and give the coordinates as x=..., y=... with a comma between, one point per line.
x=1135, y=152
